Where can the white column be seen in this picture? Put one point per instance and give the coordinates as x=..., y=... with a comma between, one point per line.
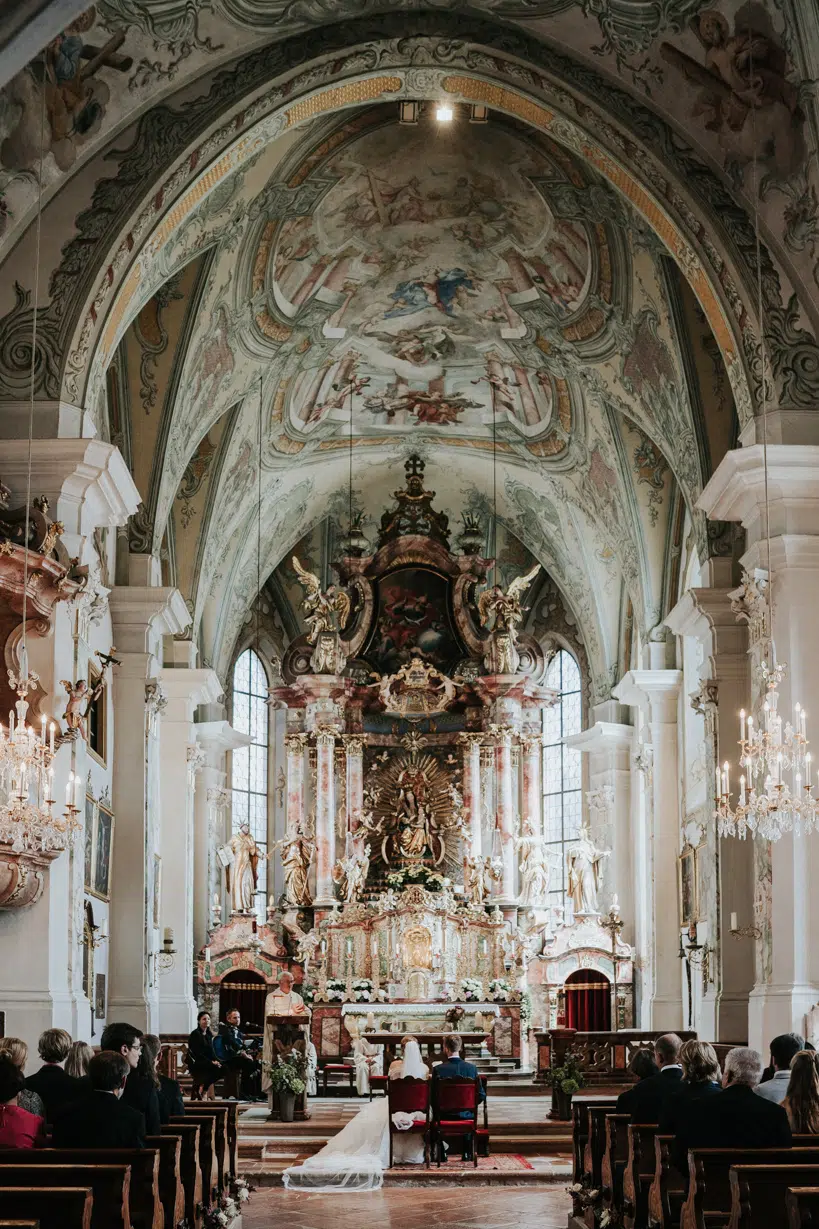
x=787, y=902
x=180, y=759
x=507, y=893
x=354, y=748
x=608, y=746
x=295, y=781
x=325, y=818
x=472, y=788
x=211, y=807
x=140, y=617
x=656, y=692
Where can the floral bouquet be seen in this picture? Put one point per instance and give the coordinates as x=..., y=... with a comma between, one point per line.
x=363, y=990
x=499, y=990
x=336, y=989
x=431, y=880
x=308, y=993
x=471, y=989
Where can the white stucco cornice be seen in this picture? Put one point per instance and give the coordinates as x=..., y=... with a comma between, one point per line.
x=220, y=736
x=186, y=689
x=736, y=490
x=142, y=614
x=86, y=481
x=602, y=736
x=653, y=691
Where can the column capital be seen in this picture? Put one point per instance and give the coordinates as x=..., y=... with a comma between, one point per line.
x=142, y=614
x=186, y=689
x=602, y=736
x=295, y=743
x=218, y=736
x=654, y=691
x=470, y=739
x=325, y=738
x=736, y=489
x=710, y=616
x=353, y=745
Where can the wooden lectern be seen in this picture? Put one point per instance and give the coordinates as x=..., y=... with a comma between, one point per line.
x=288, y=1033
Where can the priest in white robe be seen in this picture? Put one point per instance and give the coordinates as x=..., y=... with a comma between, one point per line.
x=282, y=1001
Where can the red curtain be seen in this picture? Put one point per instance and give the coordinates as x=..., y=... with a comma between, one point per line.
x=588, y=1001
x=245, y=991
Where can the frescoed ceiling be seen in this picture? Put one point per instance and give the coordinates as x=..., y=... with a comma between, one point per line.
x=248, y=267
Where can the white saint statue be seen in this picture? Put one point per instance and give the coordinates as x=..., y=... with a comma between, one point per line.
x=583, y=859
x=242, y=873
x=534, y=872
x=283, y=1001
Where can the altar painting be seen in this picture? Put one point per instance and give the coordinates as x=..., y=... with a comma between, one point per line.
x=413, y=613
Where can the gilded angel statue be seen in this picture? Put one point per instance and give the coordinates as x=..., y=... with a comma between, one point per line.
x=324, y=612
x=502, y=613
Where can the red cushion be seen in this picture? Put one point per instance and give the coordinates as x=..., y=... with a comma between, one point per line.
x=460, y=1124
x=338, y=1067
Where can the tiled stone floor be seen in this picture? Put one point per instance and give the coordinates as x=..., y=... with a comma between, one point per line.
x=453, y=1208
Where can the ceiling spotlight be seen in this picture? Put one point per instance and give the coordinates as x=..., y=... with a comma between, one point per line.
x=444, y=113
x=408, y=112
x=478, y=114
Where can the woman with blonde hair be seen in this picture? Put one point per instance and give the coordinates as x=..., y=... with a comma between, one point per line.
x=701, y=1079
x=802, y=1098
x=79, y=1056
x=17, y=1050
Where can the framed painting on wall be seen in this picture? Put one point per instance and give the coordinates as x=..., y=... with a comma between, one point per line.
x=99, y=996
x=103, y=846
x=90, y=826
x=688, y=886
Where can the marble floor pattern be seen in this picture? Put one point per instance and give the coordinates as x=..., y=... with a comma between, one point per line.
x=454, y=1208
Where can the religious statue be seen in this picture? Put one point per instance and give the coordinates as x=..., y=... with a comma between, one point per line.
x=478, y=871
x=308, y=945
x=297, y=854
x=584, y=860
x=518, y=947
x=413, y=815
x=242, y=873
x=502, y=613
x=326, y=614
x=534, y=872
x=78, y=704
x=350, y=873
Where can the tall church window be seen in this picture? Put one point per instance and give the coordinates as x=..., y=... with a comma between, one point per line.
x=249, y=764
x=562, y=775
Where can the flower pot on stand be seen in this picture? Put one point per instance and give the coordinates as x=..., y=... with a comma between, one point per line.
x=562, y=1105
x=287, y=1106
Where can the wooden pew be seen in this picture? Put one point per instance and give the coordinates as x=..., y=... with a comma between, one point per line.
x=19, y=1224
x=802, y=1203
x=580, y=1130
x=145, y=1206
x=638, y=1174
x=189, y=1172
x=109, y=1184
x=615, y=1155
x=708, y=1205
x=219, y=1114
x=207, y=1133
x=56, y=1207
x=667, y=1192
x=171, y=1191
x=758, y=1193
x=232, y=1108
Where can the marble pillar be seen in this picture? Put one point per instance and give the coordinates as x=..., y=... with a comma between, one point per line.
x=786, y=873
x=656, y=692
x=181, y=758
x=325, y=819
x=506, y=815
x=295, y=743
x=531, y=746
x=354, y=750
x=472, y=789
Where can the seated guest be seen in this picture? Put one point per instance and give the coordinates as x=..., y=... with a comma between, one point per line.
x=17, y=1051
x=169, y=1091
x=783, y=1049
x=645, y=1100
x=201, y=1061
x=140, y=1090
x=18, y=1128
x=101, y=1119
x=51, y=1083
x=234, y=1048
x=79, y=1056
x=455, y=1068
x=701, y=1079
x=642, y=1067
x=802, y=1101
x=737, y=1117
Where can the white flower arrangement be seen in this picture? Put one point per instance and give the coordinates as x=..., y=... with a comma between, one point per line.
x=363, y=990
x=471, y=989
x=499, y=990
x=336, y=990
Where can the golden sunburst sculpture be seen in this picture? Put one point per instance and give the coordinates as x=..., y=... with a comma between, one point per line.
x=417, y=811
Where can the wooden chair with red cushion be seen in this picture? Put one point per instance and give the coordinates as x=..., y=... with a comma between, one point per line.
x=409, y=1096
x=451, y=1099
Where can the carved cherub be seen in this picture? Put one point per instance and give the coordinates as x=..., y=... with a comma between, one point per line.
x=79, y=702
x=502, y=612
x=324, y=612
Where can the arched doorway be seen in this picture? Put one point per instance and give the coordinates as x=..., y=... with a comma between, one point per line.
x=244, y=991
x=588, y=1001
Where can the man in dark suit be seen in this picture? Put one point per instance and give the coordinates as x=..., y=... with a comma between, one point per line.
x=101, y=1119
x=54, y=1087
x=644, y=1101
x=455, y=1068
x=232, y=1049
x=140, y=1091
x=736, y=1117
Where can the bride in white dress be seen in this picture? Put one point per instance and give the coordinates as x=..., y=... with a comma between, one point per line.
x=355, y=1159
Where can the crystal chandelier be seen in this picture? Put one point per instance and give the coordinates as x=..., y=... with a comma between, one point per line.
x=775, y=788
x=27, y=821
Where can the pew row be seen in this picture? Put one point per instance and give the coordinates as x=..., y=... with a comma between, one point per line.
x=615, y=1156
x=207, y=1135
x=709, y=1200
x=638, y=1174
x=171, y=1191
x=109, y=1184
x=189, y=1172
x=56, y=1207
x=758, y=1193
x=802, y=1203
x=144, y=1205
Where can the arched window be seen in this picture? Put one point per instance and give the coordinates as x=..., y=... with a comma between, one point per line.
x=562, y=805
x=249, y=764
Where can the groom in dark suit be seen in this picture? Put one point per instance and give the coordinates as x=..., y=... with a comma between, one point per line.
x=454, y=1068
